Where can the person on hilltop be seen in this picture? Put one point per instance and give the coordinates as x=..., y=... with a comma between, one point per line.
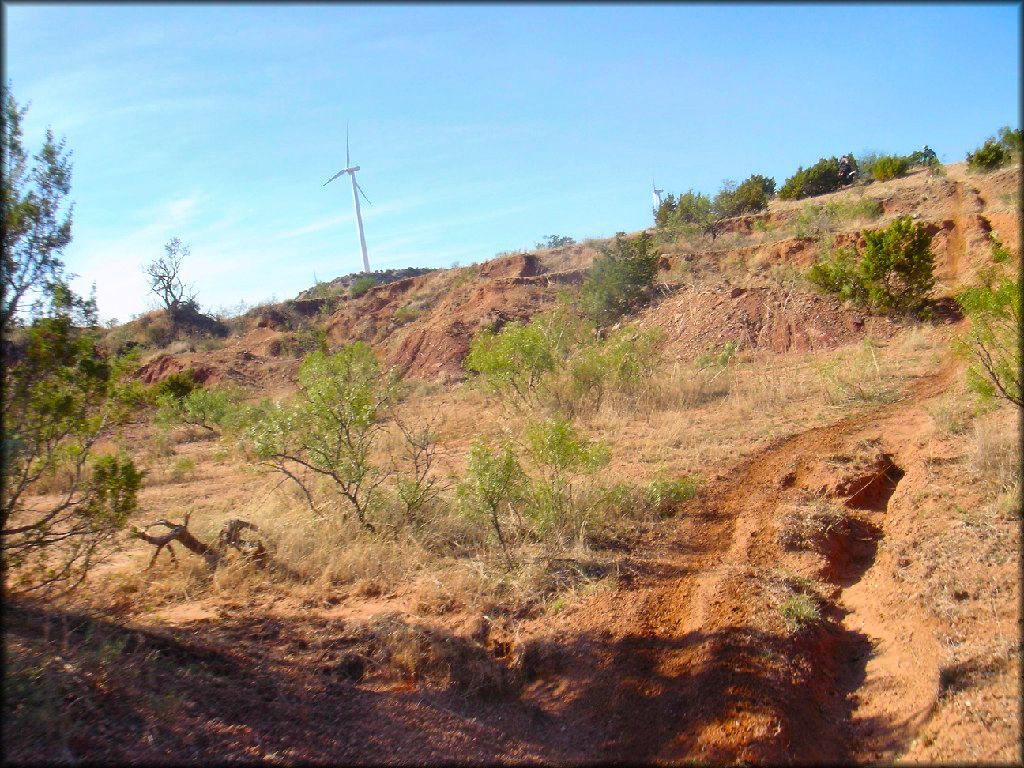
x=846, y=172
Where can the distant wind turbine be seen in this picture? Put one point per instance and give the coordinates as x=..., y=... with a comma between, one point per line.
x=356, y=191
x=656, y=194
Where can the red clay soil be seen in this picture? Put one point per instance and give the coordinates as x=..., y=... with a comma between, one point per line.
x=696, y=319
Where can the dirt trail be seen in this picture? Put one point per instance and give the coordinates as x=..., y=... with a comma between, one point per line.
x=681, y=666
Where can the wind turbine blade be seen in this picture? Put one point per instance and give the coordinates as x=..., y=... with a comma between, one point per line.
x=339, y=173
x=363, y=194
x=347, y=162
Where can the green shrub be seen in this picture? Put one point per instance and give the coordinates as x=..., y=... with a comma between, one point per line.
x=690, y=209
x=800, y=611
x=895, y=272
x=750, y=196
x=494, y=483
x=405, y=314
x=211, y=409
x=333, y=428
x=561, y=455
x=889, y=167
x=663, y=495
x=362, y=285
x=514, y=359
x=988, y=157
x=623, y=362
x=992, y=346
x=620, y=279
x=821, y=178
x=1011, y=140
x=1000, y=253
x=897, y=266
x=837, y=272
x=177, y=385
x=555, y=241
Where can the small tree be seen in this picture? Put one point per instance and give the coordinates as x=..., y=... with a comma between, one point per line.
x=989, y=156
x=894, y=273
x=750, y=196
x=993, y=344
x=494, y=482
x=165, y=280
x=332, y=428
x=59, y=395
x=821, y=178
x=620, y=279
x=555, y=241
x=889, y=167
x=897, y=266
x=561, y=456
x=1011, y=140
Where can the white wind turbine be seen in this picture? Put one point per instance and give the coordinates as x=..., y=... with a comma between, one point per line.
x=356, y=191
x=656, y=194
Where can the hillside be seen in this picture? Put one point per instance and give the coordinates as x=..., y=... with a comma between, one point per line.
x=801, y=546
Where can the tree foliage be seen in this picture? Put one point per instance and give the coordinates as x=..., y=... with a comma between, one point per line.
x=689, y=210
x=894, y=272
x=989, y=156
x=992, y=346
x=821, y=178
x=60, y=396
x=165, y=280
x=750, y=196
x=555, y=241
x=620, y=279
x=493, y=485
x=331, y=428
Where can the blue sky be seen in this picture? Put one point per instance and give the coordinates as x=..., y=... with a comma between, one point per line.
x=479, y=129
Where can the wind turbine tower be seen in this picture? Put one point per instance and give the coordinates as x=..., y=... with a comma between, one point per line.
x=356, y=192
x=656, y=194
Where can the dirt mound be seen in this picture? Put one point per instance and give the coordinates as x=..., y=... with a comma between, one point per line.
x=698, y=319
x=423, y=325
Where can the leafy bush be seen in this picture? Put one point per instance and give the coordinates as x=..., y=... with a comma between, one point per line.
x=690, y=209
x=362, y=285
x=332, y=428
x=897, y=266
x=988, y=157
x=623, y=362
x=59, y=396
x=493, y=483
x=662, y=495
x=518, y=357
x=620, y=279
x=1000, y=253
x=555, y=241
x=750, y=196
x=211, y=409
x=889, y=167
x=1011, y=140
x=556, y=360
x=993, y=344
x=560, y=455
x=819, y=179
x=837, y=272
x=895, y=272
x=177, y=385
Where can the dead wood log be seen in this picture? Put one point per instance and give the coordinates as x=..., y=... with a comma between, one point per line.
x=230, y=536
